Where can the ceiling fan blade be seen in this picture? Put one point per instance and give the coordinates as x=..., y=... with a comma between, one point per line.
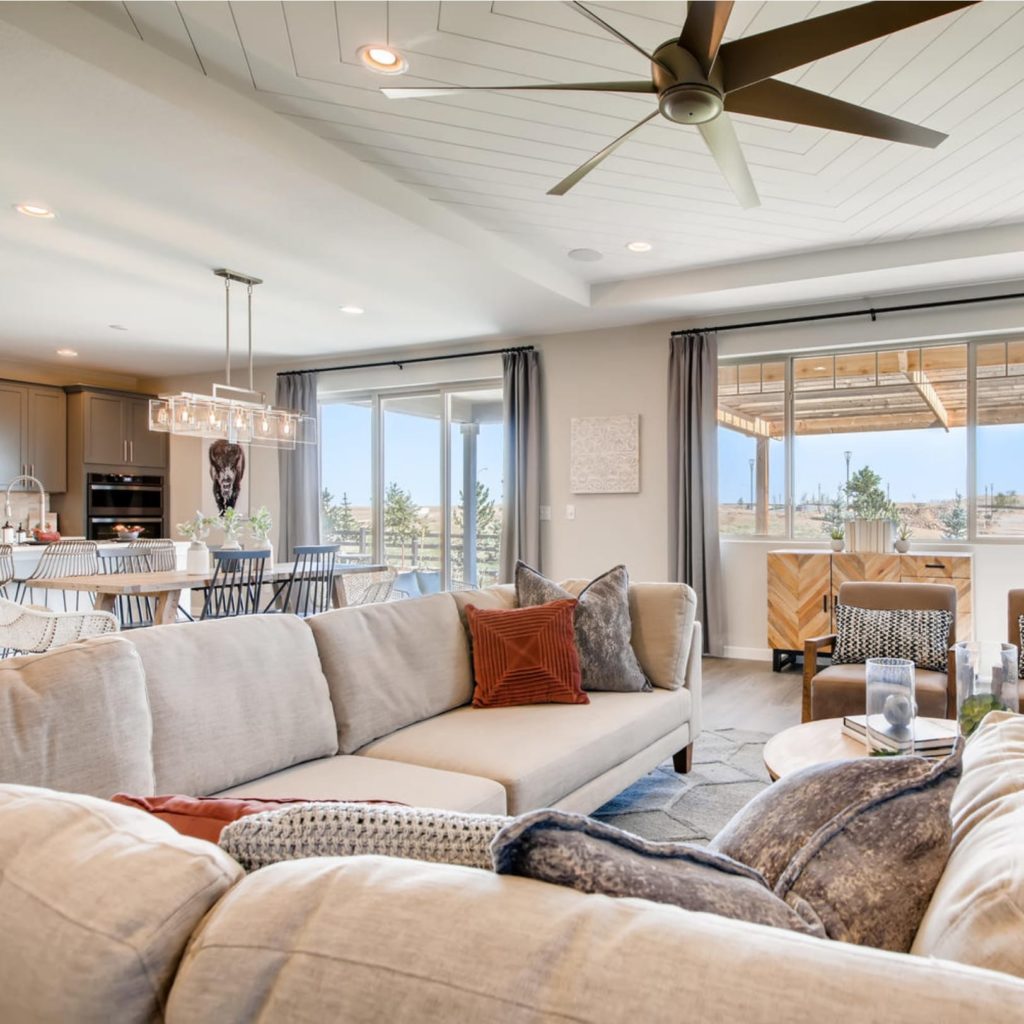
x=584, y=169
x=610, y=29
x=720, y=137
x=452, y=90
x=754, y=58
x=703, y=30
x=782, y=102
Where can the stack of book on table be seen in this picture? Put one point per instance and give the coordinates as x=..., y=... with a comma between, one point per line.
x=932, y=738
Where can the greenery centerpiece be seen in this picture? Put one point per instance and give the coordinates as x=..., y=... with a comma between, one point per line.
x=232, y=524
x=196, y=530
x=260, y=524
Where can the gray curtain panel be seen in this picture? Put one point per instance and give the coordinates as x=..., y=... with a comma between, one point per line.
x=693, y=477
x=520, y=524
x=299, y=470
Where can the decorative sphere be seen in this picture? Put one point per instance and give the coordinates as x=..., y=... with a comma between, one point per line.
x=898, y=710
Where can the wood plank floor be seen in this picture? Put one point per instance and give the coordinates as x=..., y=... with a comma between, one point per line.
x=749, y=695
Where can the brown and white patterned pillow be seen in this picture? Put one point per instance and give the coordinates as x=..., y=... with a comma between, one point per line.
x=920, y=636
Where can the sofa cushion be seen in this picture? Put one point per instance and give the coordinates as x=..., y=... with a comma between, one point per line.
x=976, y=915
x=370, y=939
x=76, y=719
x=97, y=904
x=577, y=851
x=539, y=753
x=839, y=690
x=232, y=699
x=347, y=777
x=391, y=664
x=602, y=626
x=525, y=656
x=353, y=829
x=862, y=842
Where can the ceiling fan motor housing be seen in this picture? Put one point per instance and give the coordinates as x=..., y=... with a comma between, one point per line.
x=685, y=94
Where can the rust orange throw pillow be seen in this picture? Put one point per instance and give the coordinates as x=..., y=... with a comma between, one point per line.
x=204, y=817
x=525, y=656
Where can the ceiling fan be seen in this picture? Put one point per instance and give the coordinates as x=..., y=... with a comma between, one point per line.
x=699, y=80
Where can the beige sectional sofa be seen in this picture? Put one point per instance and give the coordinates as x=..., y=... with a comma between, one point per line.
x=107, y=914
x=361, y=703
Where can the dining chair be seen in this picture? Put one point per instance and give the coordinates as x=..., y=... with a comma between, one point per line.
x=162, y=554
x=62, y=558
x=368, y=587
x=235, y=587
x=132, y=610
x=6, y=567
x=310, y=588
x=34, y=630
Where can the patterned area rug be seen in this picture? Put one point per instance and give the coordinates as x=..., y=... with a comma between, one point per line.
x=728, y=770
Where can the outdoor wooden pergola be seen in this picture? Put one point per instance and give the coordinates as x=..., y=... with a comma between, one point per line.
x=858, y=392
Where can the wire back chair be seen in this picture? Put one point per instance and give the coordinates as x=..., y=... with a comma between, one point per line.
x=235, y=587
x=6, y=567
x=162, y=554
x=33, y=631
x=63, y=558
x=369, y=587
x=310, y=588
x=132, y=610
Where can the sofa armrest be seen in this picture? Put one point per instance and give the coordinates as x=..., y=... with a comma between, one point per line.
x=694, y=679
x=366, y=939
x=812, y=648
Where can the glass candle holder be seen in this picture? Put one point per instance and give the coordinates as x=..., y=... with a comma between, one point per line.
x=986, y=680
x=891, y=708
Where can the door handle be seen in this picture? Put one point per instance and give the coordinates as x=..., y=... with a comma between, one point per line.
x=131, y=451
x=124, y=450
x=824, y=602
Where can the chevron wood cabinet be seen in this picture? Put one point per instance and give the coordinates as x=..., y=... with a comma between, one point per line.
x=803, y=587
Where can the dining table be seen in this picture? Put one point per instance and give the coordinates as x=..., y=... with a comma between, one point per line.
x=165, y=588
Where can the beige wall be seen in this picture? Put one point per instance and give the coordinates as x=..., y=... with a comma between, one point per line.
x=63, y=374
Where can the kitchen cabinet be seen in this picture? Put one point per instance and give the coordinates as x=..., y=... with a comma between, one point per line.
x=803, y=589
x=115, y=430
x=33, y=434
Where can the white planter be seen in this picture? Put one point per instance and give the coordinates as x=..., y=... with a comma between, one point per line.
x=838, y=545
x=198, y=559
x=230, y=543
x=902, y=546
x=869, y=535
x=262, y=545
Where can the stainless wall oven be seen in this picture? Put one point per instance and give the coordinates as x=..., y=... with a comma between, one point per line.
x=114, y=499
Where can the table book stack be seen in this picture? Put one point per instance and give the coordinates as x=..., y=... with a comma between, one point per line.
x=932, y=737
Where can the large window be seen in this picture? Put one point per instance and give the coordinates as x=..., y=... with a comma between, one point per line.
x=413, y=479
x=809, y=440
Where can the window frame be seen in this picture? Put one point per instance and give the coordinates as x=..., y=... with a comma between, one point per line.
x=376, y=397
x=970, y=488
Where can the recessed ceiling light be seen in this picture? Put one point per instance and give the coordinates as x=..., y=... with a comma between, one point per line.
x=67, y=353
x=585, y=255
x=36, y=210
x=382, y=59
x=639, y=246
x=117, y=327
x=353, y=310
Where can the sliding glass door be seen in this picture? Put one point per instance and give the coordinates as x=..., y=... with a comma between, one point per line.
x=413, y=480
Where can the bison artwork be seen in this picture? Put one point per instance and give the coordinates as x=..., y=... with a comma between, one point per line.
x=227, y=467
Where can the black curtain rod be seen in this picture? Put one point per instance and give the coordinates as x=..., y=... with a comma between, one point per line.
x=873, y=313
x=402, y=363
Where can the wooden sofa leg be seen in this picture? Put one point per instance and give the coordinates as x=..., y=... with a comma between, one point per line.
x=682, y=760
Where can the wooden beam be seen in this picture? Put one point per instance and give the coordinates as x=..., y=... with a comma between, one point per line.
x=926, y=390
x=752, y=426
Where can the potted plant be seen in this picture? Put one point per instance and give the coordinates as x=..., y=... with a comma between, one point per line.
x=260, y=524
x=838, y=534
x=231, y=523
x=903, y=535
x=197, y=530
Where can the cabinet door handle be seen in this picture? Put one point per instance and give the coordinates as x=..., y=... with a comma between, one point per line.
x=824, y=602
x=934, y=565
x=131, y=451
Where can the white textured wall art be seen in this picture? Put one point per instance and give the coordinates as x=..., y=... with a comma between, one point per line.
x=605, y=455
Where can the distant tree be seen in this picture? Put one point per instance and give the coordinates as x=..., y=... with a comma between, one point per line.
x=401, y=515
x=1005, y=499
x=836, y=514
x=866, y=497
x=486, y=511
x=954, y=519
x=346, y=519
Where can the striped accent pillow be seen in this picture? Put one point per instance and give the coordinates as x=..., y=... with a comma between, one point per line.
x=525, y=656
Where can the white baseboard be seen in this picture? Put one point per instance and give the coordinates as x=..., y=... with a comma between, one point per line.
x=749, y=653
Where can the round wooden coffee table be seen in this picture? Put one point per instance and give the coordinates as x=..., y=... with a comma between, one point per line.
x=810, y=743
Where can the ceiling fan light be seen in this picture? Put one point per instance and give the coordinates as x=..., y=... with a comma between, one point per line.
x=383, y=59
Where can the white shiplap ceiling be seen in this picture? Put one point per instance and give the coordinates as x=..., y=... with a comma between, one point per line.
x=173, y=137
x=492, y=157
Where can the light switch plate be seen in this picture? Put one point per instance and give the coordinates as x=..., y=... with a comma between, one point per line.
x=570, y=511
x=545, y=511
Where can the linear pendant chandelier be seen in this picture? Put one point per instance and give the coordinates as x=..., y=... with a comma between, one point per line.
x=241, y=415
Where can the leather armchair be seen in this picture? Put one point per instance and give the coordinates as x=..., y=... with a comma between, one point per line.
x=839, y=689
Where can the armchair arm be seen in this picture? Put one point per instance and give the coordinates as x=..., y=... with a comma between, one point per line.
x=811, y=649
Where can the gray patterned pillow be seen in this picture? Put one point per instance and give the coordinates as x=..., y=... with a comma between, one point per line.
x=603, y=626
x=920, y=636
x=862, y=843
x=1020, y=646
x=578, y=852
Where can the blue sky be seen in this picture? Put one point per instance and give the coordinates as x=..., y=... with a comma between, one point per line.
x=917, y=465
x=411, y=456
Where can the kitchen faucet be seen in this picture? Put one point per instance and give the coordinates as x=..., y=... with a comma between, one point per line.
x=8, y=512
